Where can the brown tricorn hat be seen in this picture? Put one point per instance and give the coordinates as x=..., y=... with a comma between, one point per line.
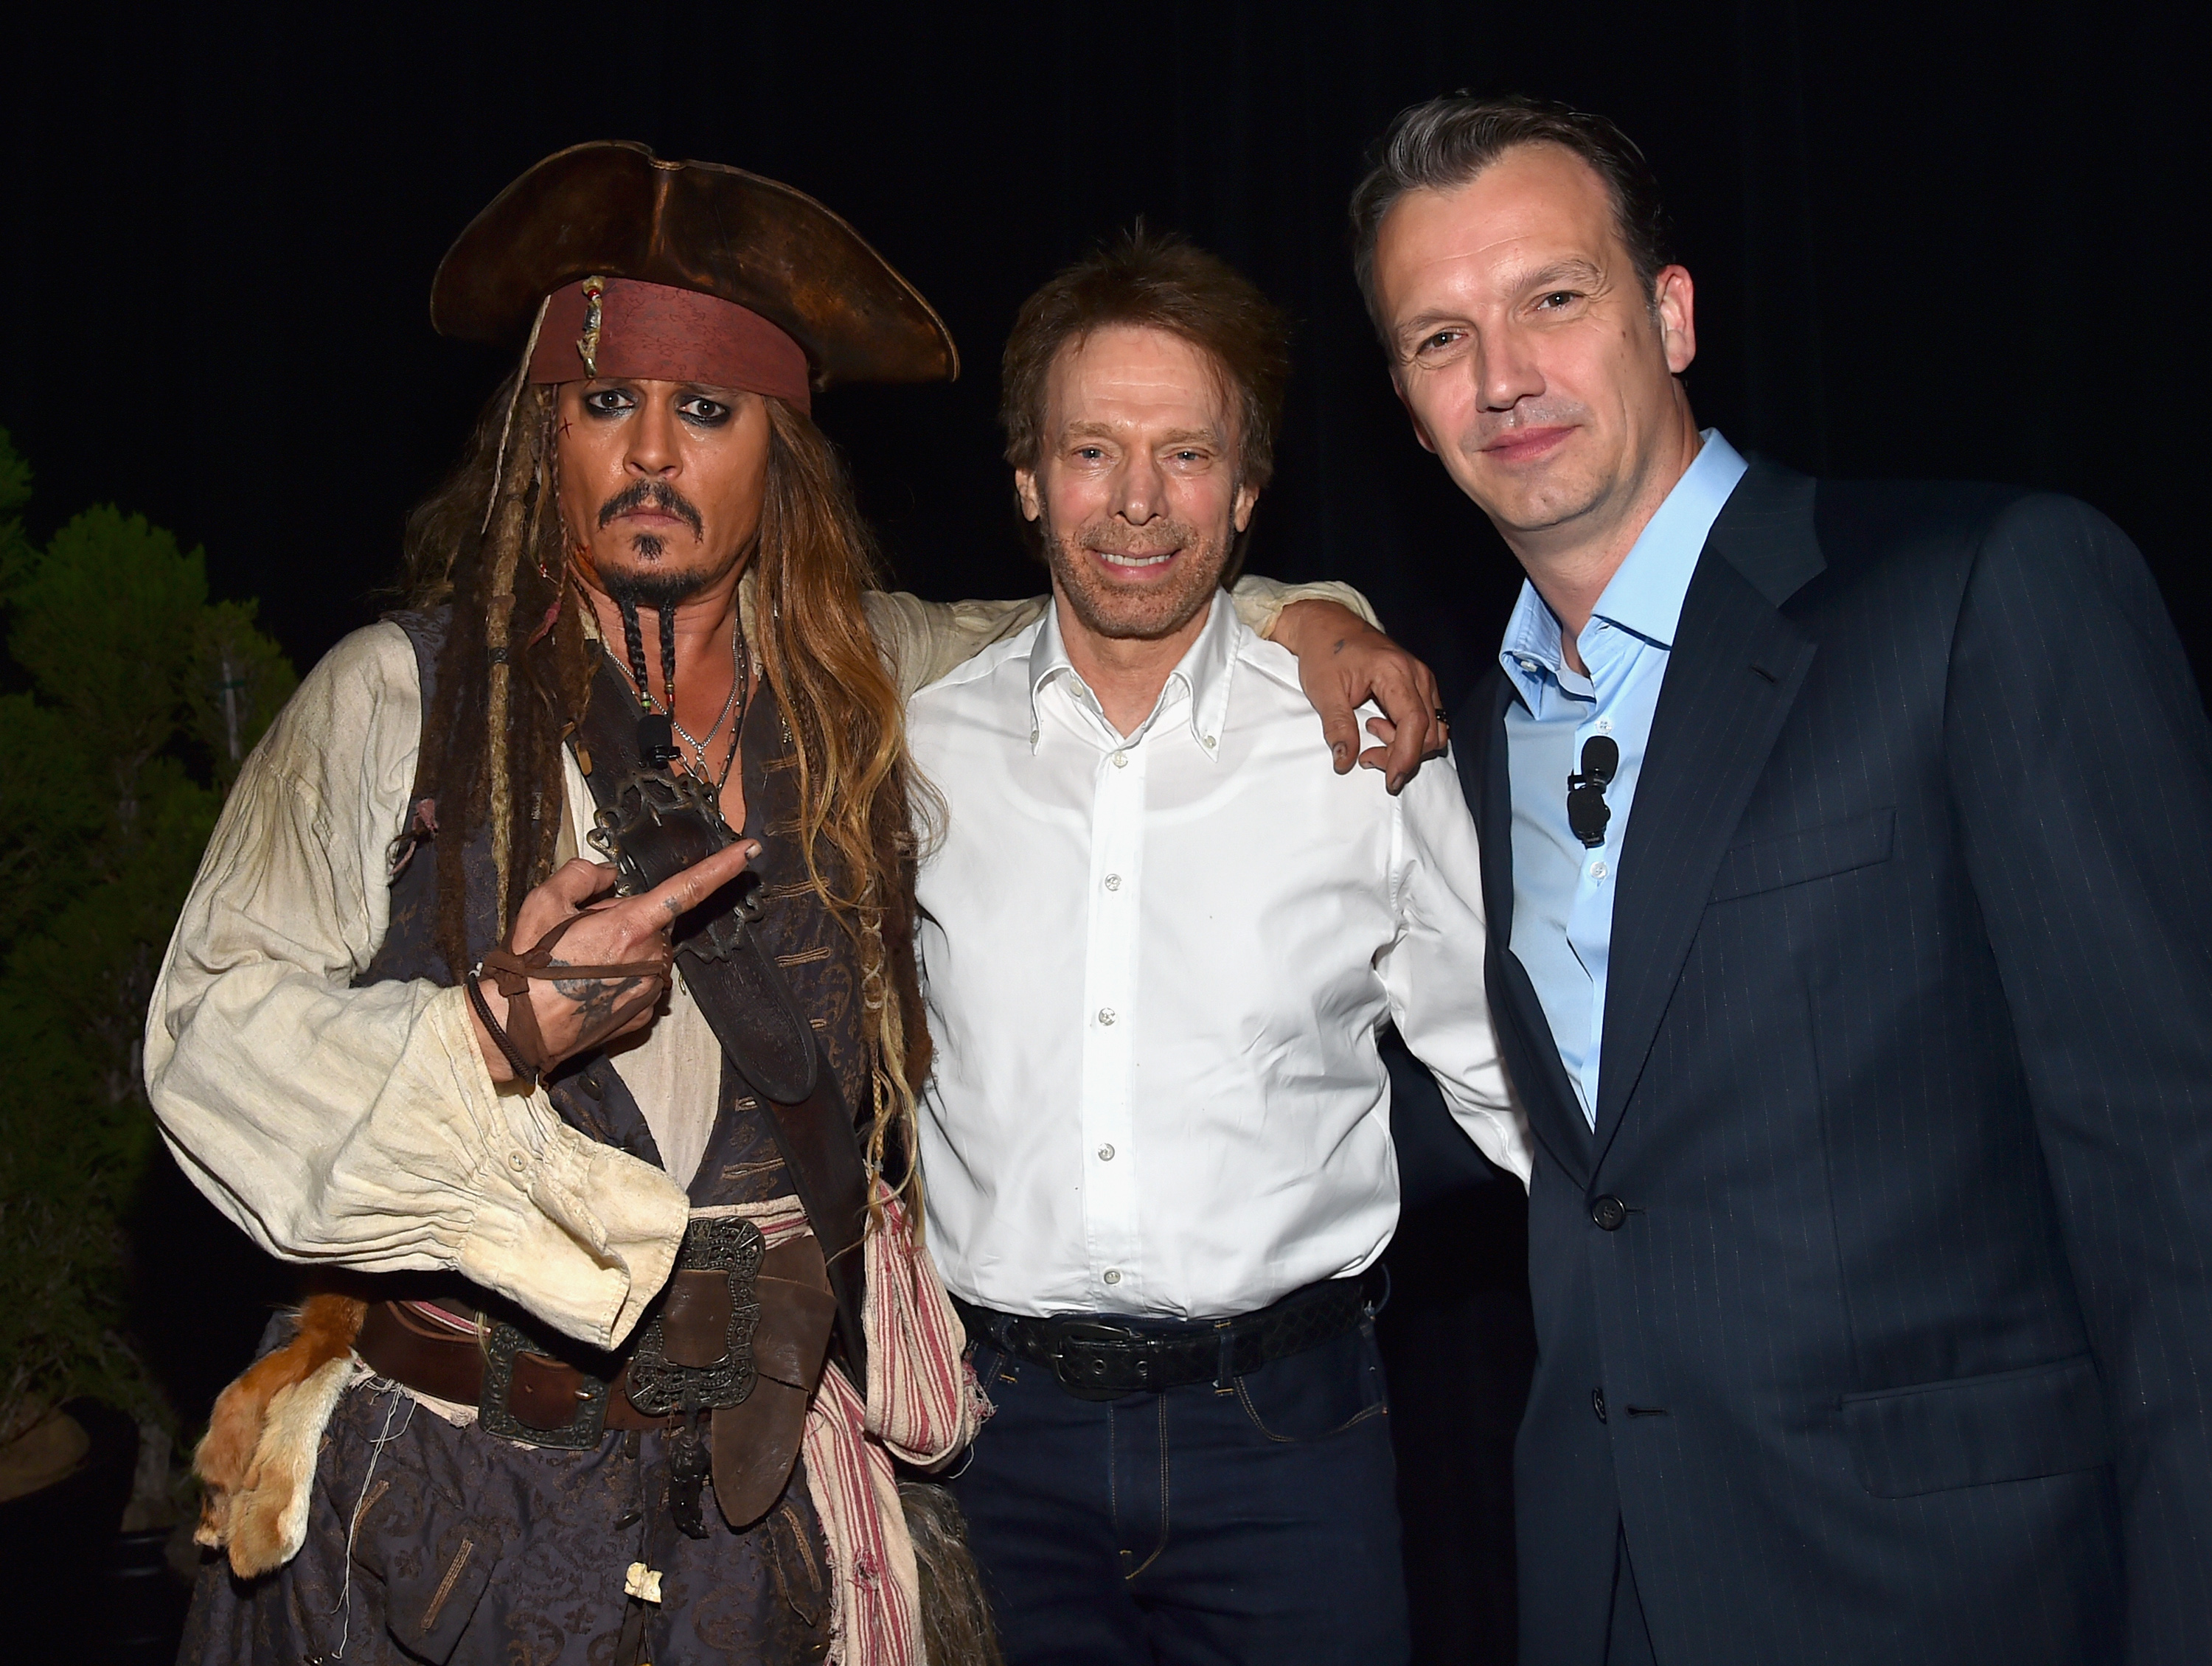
x=613, y=208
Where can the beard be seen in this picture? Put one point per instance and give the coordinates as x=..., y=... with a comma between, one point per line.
x=655, y=586
x=652, y=589
x=1139, y=612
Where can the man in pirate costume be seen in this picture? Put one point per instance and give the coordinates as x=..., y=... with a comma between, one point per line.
x=624, y=1323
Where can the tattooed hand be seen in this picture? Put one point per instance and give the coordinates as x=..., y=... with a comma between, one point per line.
x=573, y=1013
x=1343, y=660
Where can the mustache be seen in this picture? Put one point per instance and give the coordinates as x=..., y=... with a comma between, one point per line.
x=655, y=494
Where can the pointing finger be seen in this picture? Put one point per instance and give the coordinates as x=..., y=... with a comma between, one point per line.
x=679, y=894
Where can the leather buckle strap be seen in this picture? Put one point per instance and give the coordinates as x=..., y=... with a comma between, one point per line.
x=511, y=973
x=522, y=1403
x=696, y=1351
x=743, y=1336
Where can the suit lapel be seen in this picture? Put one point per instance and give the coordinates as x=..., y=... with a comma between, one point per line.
x=1531, y=1052
x=1483, y=777
x=1734, y=672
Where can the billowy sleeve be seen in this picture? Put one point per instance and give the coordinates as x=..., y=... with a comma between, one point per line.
x=1260, y=602
x=359, y=1126
x=1434, y=971
x=923, y=641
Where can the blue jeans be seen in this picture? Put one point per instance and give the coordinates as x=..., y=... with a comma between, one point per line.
x=1197, y=1527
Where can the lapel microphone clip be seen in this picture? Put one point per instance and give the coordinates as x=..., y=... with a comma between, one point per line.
x=1586, y=810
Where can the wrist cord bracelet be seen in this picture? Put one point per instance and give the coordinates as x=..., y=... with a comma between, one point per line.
x=523, y=1073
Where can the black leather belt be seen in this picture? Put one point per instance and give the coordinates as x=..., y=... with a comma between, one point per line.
x=1103, y=1358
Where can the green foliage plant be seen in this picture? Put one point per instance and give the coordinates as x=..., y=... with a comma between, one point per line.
x=128, y=701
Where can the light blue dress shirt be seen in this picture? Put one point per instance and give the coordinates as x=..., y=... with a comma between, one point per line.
x=1562, y=890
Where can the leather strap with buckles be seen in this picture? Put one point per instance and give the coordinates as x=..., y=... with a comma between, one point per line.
x=778, y=1319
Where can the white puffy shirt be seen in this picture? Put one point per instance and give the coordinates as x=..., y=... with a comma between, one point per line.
x=1157, y=966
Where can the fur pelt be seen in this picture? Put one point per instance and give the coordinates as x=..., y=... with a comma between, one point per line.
x=257, y=1466
x=256, y=1460
x=956, y=1616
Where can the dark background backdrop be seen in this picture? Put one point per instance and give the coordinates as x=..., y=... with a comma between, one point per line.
x=1941, y=239
x=1926, y=243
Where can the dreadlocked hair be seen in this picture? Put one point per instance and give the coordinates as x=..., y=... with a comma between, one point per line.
x=515, y=673
x=516, y=668
x=858, y=790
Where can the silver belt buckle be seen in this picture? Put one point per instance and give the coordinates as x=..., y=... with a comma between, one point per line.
x=1084, y=1350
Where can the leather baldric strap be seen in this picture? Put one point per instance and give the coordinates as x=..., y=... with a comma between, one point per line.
x=737, y=987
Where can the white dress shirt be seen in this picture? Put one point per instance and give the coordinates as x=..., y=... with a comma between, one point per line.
x=1156, y=966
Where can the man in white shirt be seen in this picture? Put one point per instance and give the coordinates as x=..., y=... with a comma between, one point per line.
x=1159, y=944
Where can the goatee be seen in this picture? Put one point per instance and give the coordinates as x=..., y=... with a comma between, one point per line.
x=655, y=590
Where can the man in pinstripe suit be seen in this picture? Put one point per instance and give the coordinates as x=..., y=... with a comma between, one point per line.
x=1850, y=944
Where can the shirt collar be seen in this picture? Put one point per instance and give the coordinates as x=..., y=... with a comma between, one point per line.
x=1645, y=593
x=1202, y=675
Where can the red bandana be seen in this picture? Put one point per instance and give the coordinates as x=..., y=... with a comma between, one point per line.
x=657, y=333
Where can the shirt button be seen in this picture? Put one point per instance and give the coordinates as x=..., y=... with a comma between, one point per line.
x=1528, y=664
x=1105, y=1015
x=1105, y=1154
x=1120, y=760
x=1604, y=726
x=1597, y=1395
x=1609, y=1213
x=1597, y=870
x=1113, y=882
x=517, y=1161
x=1033, y=737
x=1208, y=740
x=1112, y=1275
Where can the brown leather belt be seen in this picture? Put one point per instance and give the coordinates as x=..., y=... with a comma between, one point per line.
x=548, y=1401
x=450, y=1365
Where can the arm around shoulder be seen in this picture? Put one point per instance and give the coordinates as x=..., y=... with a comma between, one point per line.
x=1260, y=602
x=924, y=641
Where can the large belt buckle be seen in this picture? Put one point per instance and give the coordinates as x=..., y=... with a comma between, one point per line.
x=657, y=1385
x=501, y=1342
x=1085, y=1352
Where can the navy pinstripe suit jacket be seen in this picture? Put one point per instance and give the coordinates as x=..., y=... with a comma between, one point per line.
x=1900, y=1349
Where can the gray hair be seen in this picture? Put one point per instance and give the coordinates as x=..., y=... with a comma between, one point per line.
x=1444, y=143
